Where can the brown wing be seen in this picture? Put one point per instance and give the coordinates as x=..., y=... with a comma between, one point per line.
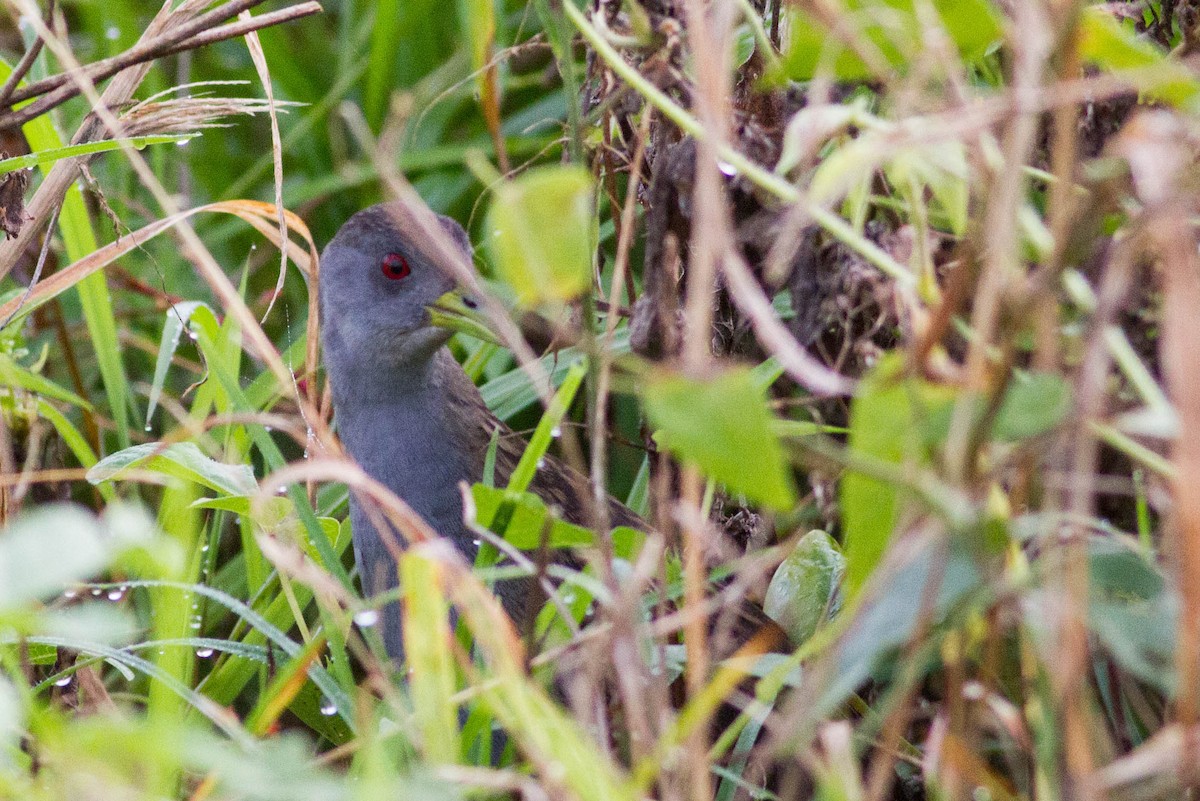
x=560, y=485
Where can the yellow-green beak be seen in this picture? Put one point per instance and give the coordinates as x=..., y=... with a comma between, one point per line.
x=455, y=311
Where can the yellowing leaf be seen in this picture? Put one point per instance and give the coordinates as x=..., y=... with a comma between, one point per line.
x=542, y=229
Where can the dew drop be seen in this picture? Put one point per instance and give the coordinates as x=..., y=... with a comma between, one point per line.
x=268, y=429
x=556, y=432
x=97, y=592
x=192, y=335
x=367, y=618
x=183, y=142
x=113, y=33
x=476, y=543
x=204, y=548
x=327, y=707
x=281, y=491
x=69, y=594
x=148, y=428
x=63, y=682
x=541, y=462
x=196, y=624
x=116, y=595
x=727, y=169
x=204, y=653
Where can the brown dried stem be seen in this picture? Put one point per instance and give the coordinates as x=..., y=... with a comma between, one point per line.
x=26, y=61
x=58, y=89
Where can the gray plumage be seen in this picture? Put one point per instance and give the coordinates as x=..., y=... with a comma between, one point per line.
x=406, y=411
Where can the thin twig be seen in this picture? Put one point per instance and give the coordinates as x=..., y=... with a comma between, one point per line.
x=26, y=61
x=57, y=96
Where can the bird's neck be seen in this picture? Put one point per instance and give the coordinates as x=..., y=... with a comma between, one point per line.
x=412, y=430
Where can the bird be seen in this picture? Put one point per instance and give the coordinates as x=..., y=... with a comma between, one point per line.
x=404, y=408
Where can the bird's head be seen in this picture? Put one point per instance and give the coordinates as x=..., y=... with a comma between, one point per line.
x=385, y=301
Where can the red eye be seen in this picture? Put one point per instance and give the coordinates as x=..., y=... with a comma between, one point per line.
x=395, y=267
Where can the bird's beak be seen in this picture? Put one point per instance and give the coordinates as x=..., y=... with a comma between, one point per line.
x=459, y=311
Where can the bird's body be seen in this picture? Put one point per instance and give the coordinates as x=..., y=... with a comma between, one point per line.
x=406, y=411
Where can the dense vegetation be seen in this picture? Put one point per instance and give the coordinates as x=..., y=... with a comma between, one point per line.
x=881, y=312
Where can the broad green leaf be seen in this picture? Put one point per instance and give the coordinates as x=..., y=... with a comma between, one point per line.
x=890, y=28
x=543, y=233
x=277, y=516
x=181, y=460
x=892, y=419
x=743, y=45
x=524, y=529
x=723, y=427
x=1107, y=43
x=803, y=593
x=1034, y=404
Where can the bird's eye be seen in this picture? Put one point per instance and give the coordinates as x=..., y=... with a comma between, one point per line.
x=394, y=267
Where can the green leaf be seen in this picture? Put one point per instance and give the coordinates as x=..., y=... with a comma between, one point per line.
x=50, y=155
x=892, y=419
x=1107, y=43
x=723, y=427
x=14, y=375
x=543, y=234
x=943, y=169
x=524, y=529
x=803, y=593
x=182, y=460
x=743, y=46
x=177, y=318
x=79, y=241
x=892, y=29
x=527, y=467
x=888, y=616
x=1033, y=405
